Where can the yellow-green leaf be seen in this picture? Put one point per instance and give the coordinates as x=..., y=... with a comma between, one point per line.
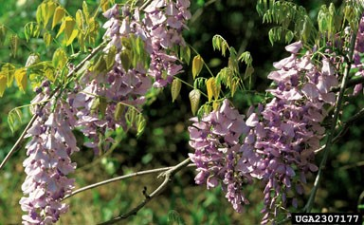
x=15, y=119
x=47, y=11
x=8, y=70
x=59, y=58
x=47, y=37
x=104, y=5
x=175, y=88
x=110, y=57
x=79, y=19
x=197, y=65
x=2, y=34
x=85, y=10
x=69, y=25
x=125, y=59
x=212, y=89
x=119, y=110
x=194, y=97
x=14, y=44
x=21, y=78
x=58, y=16
x=216, y=105
x=3, y=81
x=31, y=29
x=72, y=37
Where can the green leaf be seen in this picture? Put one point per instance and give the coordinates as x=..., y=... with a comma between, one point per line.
x=140, y=124
x=14, y=45
x=59, y=59
x=31, y=30
x=197, y=65
x=3, y=81
x=125, y=59
x=175, y=88
x=194, y=97
x=110, y=58
x=8, y=70
x=58, y=16
x=85, y=10
x=119, y=111
x=2, y=34
x=15, y=119
x=47, y=37
x=185, y=54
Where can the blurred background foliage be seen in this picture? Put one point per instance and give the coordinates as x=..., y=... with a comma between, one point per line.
x=165, y=140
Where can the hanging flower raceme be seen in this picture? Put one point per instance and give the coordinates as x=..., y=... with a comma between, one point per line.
x=48, y=162
x=220, y=157
x=164, y=22
x=292, y=124
x=277, y=141
x=358, y=50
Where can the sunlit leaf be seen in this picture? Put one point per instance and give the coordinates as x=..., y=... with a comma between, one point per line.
x=197, y=65
x=8, y=70
x=3, y=81
x=47, y=37
x=21, y=78
x=175, y=88
x=72, y=37
x=58, y=16
x=212, y=89
x=59, y=58
x=15, y=119
x=194, y=97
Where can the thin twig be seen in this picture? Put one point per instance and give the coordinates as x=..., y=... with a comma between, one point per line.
x=167, y=177
x=331, y=132
x=347, y=125
x=18, y=143
x=92, y=186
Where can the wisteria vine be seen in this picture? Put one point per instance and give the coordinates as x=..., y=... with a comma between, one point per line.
x=273, y=143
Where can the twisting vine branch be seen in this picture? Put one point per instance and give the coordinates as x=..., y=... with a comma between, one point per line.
x=136, y=174
x=331, y=131
x=167, y=177
x=18, y=143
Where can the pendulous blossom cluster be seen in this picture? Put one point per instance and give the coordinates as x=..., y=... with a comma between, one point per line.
x=164, y=22
x=220, y=156
x=277, y=141
x=159, y=31
x=358, y=51
x=292, y=124
x=48, y=162
x=99, y=101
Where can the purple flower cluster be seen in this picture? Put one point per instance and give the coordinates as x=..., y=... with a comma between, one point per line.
x=358, y=50
x=292, y=124
x=98, y=102
x=219, y=155
x=277, y=141
x=164, y=23
x=48, y=162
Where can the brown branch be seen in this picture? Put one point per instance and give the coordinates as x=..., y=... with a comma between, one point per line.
x=18, y=143
x=167, y=177
x=95, y=185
